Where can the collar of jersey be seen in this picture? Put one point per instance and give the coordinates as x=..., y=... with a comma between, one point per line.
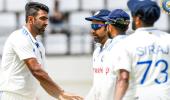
x=117, y=38
x=30, y=35
x=107, y=43
x=145, y=29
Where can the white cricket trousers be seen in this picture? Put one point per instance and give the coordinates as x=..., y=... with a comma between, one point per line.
x=12, y=96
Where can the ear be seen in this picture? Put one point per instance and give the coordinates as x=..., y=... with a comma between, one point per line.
x=112, y=29
x=30, y=19
x=138, y=21
x=109, y=28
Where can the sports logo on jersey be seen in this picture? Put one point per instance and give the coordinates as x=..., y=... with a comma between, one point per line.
x=165, y=5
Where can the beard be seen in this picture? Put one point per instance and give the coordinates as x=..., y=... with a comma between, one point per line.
x=133, y=25
x=96, y=39
x=39, y=29
x=109, y=34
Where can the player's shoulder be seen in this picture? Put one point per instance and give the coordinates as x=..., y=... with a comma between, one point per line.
x=124, y=40
x=18, y=36
x=126, y=43
x=119, y=45
x=116, y=42
x=166, y=34
x=162, y=34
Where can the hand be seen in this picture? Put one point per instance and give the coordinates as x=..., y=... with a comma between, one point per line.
x=69, y=96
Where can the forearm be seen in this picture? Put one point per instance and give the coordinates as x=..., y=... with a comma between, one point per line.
x=121, y=84
x=48, y=84
x=121, y=88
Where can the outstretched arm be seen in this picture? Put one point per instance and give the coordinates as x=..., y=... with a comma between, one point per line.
x=121, y=84
x=47, y=83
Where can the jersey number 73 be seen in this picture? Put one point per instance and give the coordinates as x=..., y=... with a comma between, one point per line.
x=159, y=63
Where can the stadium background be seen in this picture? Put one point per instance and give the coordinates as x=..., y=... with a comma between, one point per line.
x=69, y=54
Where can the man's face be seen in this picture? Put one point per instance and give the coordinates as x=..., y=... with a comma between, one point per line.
x=99, y=34
x=40, y=21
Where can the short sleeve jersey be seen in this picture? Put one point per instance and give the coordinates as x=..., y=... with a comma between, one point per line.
x=146, y=55
x=103, y=77
x=15, y=76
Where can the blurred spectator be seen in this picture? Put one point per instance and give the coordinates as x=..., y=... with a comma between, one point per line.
x=59, y=24
x=58, y=20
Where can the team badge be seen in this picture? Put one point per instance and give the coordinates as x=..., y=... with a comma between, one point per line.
x=165, y=5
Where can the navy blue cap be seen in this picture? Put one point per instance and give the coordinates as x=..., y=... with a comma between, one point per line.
x=149, y=10
x=99, y=15
x=118, y=15
x=135, y=5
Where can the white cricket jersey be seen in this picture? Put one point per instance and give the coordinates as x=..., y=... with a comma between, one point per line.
x=104, y=79
x=15, y=76
x=146, y=55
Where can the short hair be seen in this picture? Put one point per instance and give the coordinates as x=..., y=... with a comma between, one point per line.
x=120, y=24
x=32, y=8
x=148, y=15
x=120, y=27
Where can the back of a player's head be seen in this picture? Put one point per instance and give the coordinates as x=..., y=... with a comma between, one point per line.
x=32, y=9
x=148, y=11
x=119, y=19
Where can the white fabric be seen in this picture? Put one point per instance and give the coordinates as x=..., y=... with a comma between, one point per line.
x=1, y=94
x=104, y=79
x=13, y=96
x=112, y=60
x=146, y=55
x=15, y=76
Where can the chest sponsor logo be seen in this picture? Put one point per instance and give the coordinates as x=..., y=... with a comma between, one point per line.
x=101, y=70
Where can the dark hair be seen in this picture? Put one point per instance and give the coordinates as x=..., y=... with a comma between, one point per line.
x=121, y=27
x=149, y=15
x=32, y=8
x=121, y=24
